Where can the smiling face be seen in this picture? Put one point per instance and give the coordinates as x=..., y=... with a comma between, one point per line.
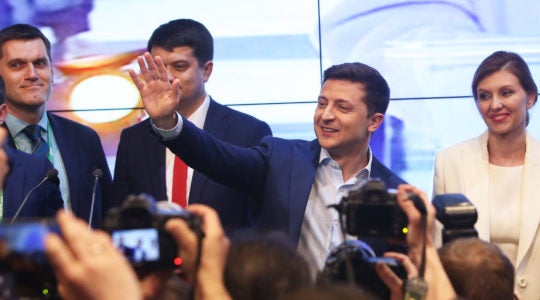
x=342, y=123
x=182, y=64
x=27, y=72
x=503, y=103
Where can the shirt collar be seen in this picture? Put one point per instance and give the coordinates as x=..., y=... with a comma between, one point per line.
x=198, y=117
x=16, y=125
x=325, y=158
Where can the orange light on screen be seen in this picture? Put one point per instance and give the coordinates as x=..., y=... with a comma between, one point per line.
x=104, y=91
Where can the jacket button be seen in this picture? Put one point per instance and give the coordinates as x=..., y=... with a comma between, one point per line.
x=523, y=282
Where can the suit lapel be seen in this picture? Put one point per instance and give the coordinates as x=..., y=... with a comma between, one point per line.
x=305, y=162
x=16, y=180
x=67, y=147
x=530, y=209
x=213, y=124
x=475, y=164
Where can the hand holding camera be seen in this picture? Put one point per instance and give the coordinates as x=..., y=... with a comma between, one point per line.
x=138, y=230
x=84, y=260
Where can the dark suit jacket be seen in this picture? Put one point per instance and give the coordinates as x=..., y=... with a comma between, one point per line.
x=140, y=164
x=278, y=173
x=26, y=172
x=82, y=153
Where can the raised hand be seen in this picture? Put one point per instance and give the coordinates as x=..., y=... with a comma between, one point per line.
x=160, y=96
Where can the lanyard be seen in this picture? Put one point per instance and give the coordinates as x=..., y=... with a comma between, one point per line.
x=50, y=155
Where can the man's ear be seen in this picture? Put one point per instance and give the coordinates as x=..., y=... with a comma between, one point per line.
x=375, y=121
x=207, y=70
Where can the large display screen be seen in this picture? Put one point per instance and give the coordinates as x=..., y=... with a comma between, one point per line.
x=269, y=56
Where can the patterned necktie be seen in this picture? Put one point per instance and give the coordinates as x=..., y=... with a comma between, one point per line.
x=39, y=146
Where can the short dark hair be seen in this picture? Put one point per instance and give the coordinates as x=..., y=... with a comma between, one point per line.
x=478, y=269
x=264, y=266
x=2, y=91
x=23, y=32
x=511, y=62
x=376, y=87
x=184, y=32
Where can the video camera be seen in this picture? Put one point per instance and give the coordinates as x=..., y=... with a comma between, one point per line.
x=137, y=229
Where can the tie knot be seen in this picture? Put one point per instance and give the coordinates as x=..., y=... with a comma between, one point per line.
x=33, y=132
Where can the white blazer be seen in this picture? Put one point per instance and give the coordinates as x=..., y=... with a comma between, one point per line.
x=464, y=168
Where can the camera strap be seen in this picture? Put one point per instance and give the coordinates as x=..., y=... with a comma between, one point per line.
x=416, y=288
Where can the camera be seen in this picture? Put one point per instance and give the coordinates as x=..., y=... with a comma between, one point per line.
x=362, y=260
x=372, y=211
x=24, y=268
x=137, y=230
x=369, y=211
x=457, y=214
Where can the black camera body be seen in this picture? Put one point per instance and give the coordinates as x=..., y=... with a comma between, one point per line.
x=137, y=229
x=362, y=260
x=372, y=211
x=457, y=214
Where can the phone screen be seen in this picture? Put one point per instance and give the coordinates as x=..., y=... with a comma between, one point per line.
x=25, y=238
x=138, y=245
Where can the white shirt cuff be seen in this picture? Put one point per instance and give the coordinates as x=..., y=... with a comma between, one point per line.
x=169, y=134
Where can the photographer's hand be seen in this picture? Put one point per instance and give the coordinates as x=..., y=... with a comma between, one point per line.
x=416, y=234
x=215, y=247
x=390, y=279
x=439, y=286
x=87, y=265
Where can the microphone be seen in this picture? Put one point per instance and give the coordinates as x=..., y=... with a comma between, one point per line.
x=96, y=175
x=52, y=175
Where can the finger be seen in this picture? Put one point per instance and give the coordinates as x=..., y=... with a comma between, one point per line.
x=59, y=255
x=175, y=87
x=78, y=238
x=143, y=68
x=151, y=64
x=210, y=219
x=136, y=79
x=405, y=261
x=406, y=205
x=389, y=278
x=183, y=235
x=187, y=244
x=161, y=69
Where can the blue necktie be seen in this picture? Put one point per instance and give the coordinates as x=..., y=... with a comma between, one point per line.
x=39, y=146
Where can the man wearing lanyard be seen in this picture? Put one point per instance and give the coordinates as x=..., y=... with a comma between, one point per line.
x=19, y=174
x=74, y=149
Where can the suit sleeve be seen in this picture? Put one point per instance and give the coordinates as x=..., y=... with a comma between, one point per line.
x=120, y=188
x=53, y=198
x=237, y=167
x=261, y=130
x=104, y=187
